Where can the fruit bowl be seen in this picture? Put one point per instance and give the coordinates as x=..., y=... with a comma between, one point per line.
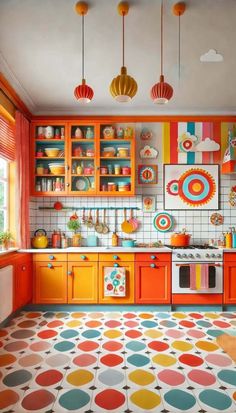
x=52, y=152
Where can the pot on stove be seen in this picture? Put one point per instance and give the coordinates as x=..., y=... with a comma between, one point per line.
x=180, y=239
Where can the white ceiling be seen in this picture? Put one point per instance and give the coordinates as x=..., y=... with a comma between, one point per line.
x=40, y=54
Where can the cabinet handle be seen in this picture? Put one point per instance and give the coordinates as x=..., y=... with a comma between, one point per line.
x=50, y=265
x=116, y=264
x=153, y=257
x=115, y=257
x=51, y=257
x=68, y=184
x=68, y=168
x=83, y=257
x=153, y=265
x=69, y=273
x=23, y=268
x=98, y=167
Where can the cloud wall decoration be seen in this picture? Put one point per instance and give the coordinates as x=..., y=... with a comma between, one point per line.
x=212, y=56
x=208, y=145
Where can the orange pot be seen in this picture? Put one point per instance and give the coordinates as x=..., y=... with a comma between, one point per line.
x=180, y=239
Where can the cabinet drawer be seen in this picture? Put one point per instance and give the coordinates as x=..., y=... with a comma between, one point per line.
x=80, y=257
x=229, y=256
x=116, y=257
x=50, y=257
x=153, y=257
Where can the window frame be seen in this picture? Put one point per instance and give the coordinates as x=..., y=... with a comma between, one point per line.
x=6, y=208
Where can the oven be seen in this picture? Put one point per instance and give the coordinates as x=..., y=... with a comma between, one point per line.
x=197, y=272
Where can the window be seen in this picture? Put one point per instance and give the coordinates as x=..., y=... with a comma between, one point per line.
x=4, y=194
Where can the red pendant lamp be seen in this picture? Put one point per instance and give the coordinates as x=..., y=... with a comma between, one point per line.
x=161, y=92
x=83, y=92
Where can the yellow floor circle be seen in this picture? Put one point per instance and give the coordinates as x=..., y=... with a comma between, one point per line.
x=141, y=377
x=145, y=399
x=164, y=360
x=112, y=333
x=153, y=333
x=182, y=345
x=212, y=315
x=206, y=346
x=74, y=323
x=78, y=315
x=179, y=315
x=80, y=377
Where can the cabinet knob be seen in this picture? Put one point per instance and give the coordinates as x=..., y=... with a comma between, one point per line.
x=67, y=184
x=153, y=265
x=68, y=168
x=116, y=264
x=83, y=257
x=69, y=273
x=115, y=257
x=50, y=265
x=153, y=257
x=23, y=268
x=51, y=257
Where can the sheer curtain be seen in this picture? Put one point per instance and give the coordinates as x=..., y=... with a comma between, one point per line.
x=22, y=179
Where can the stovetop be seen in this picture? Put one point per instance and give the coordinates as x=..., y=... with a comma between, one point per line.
x=196, y=253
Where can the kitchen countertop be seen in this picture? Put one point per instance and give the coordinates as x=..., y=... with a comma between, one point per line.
x=96, y=249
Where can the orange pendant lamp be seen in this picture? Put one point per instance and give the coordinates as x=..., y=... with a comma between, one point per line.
x=123, y=87
x=83, y=92
x=161, y=92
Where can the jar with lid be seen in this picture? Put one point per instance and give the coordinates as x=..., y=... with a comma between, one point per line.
x=111, y=186
x=40, y=169
x=89, y=133
x=114, y=240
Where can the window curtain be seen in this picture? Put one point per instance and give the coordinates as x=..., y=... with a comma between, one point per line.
x=22, y=179
x=7, y=140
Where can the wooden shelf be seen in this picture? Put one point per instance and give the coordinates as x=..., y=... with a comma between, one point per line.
x=82, y=157
x=49, y=175
x=116, y=140
x=113, y=175
x=49, y=140
x=82, y=175
x=49, y=157
x=82, y=140
x=117, y=158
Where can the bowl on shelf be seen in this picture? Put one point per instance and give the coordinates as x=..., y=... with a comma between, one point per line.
x=108, y=152
x=52, y=152
x=57, y=168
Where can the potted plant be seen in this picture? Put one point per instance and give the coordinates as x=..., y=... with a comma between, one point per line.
x=74, y=225
x=5, y=239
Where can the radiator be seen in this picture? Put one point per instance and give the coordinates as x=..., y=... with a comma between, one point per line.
x=6, y=292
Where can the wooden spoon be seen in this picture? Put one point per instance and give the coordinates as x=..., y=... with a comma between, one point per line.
x=90, y=220
x=105, y=226
x=98, y=225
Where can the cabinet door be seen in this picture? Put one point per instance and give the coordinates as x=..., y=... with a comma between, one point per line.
x=23, y=283
x=82, y=282
x=152, y=283
x=50, y=282
x=129, y=275
x=230, y=282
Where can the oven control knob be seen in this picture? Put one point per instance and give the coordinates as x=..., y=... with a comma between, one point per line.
x=184, y=256
x=207, y=255
x=213, y=255
x=190, y=256
x=198, y=256
x=218, y=255
x=179, y=256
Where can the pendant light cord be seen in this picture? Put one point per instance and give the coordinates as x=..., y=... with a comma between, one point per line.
x=82, y=46
x=123, y=39
x=162, y=37
x=179, y=50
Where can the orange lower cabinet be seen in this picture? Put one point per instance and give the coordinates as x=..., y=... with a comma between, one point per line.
x=82, y=282
x=152, y=282
x=50, y=282
x=230, y=282
x=23, y=282
x=104, y=269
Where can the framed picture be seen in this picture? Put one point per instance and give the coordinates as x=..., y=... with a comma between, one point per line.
x=149, y=203
x=147, y=174
x=189, y=187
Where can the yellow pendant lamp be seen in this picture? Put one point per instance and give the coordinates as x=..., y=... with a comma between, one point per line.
x=123, y=87
x=161, y=92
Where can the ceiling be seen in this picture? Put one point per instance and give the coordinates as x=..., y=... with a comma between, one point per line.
x=40, y=55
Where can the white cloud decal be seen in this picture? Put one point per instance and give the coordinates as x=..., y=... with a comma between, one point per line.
x=208, y=145
x=211, y=56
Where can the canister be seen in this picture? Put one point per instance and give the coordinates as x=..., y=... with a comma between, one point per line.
x=111, y=186
x=228, y=239
x=110, y=169
x=117, y=169
x=103, y=170
x=125, y=170
x=234, y=239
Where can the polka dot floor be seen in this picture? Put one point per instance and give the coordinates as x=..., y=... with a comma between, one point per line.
x=116, y=362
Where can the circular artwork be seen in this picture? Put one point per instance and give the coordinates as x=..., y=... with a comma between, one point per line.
x=172, y=187
x=163, y=222
x=196, y=187
x=186, y=145
x=216, y=219
x=147, y=174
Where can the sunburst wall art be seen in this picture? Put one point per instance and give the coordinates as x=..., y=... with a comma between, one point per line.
x=189, y=187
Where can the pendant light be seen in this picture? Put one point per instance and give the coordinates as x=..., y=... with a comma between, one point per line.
x=123, y=87
x=178, y=10
x=161, y=92
x=83, y=92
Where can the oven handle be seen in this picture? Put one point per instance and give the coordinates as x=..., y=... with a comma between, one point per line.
x=188, y=265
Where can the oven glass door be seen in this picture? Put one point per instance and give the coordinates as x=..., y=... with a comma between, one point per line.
x=181, y=279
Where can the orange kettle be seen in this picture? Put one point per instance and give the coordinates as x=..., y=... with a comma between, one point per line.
x=180, y=239
x=40, y=239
